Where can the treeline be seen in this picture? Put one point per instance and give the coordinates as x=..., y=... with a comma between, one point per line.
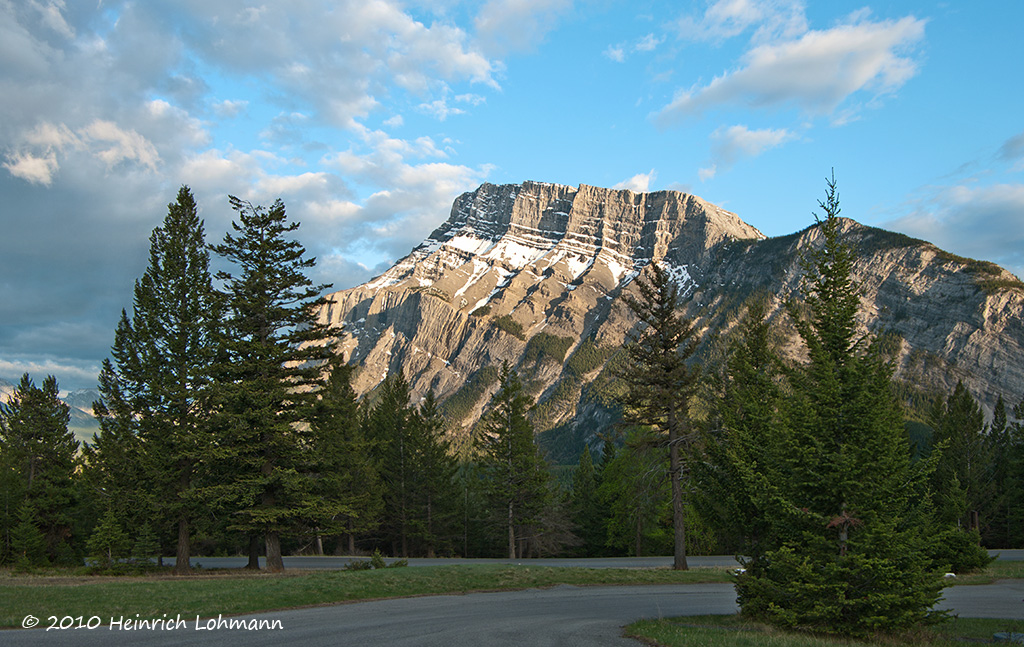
x=228, y=426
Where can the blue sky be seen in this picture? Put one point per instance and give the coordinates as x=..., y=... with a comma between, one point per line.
x=367, y=118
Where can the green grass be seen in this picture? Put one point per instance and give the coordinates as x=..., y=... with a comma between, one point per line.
x=228, y=592
x=998, y=570
x=735, y=631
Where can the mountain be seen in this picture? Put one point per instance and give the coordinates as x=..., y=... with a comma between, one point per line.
x=533, y=274
x=83, y=423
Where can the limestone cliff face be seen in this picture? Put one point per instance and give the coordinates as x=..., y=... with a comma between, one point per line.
x=532, y=274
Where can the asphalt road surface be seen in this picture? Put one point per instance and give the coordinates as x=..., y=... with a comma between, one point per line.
x=589, y=562
x=600, y=562
x=563, y=616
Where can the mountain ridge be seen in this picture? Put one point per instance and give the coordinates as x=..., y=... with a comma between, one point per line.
x=534, y=273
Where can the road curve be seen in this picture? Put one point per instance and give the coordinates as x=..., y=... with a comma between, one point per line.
x=563, y=616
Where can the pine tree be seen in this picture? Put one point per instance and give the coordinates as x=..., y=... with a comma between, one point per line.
x=28, y=544
x=40, y=453
x=585, y=507
x=436, y=495
x=967, y=459
x=637, y=496
x=145, y=547
x=158, y=387
x=276, y=353
x=1014, y=483
x=108, y=542
x=514, y=472
x=347, y=491
x=390, y=428
x=846, y=547
x=747, y=443
x=660, y=383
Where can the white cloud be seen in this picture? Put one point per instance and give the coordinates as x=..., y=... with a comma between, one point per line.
x=739, y=141
x=615, y=53
x=32, y=168
x=229, y=108
x=984, y=222
x=728, y=18
x=732, y=143
x=439, y=109
x=639, y=183
x=119, y=145
x=471, y=99
x=816, y=72
x=648, y=43
x=506, y=26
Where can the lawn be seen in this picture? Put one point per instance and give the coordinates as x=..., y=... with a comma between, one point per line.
x=734, y=631
x=228, y=592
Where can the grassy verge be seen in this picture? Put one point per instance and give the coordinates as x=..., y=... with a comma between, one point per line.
x=228, y=592
x=999, y=570
x=734, y=631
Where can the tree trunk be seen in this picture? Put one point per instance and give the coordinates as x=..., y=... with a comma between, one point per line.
x=254, y=553
x=275, y=563
x=181, y=560
x=511, y=534
x=678, y=521
x=351, y=539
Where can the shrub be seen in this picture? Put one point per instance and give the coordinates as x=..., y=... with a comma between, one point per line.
x=511, y=326
x=547, y=346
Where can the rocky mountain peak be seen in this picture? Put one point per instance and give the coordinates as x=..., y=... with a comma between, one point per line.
x=533, y=273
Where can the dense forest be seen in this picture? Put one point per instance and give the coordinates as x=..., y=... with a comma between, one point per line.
x=229, y=427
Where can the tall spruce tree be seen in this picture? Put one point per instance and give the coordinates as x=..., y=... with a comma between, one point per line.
x=1014, y=480
x=747, y=442
x=966, y=465
x=585, y=507
x=514, y=471
x=158, y=387
x=275, y=360
x=40, y=453
x=390, y=426
x=636, y=495
x=436, y=495
x=347, y=492
x=660, y=382
x=846, y=549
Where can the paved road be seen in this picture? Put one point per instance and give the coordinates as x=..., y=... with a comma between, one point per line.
x=563, y=616
x=599, y=562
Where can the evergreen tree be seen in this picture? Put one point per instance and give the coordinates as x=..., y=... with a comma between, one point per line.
x=660, y=384
x=145, y=546
x=274, y=365
x=38, y=453
x=158, y=387
x=436, y=495
x=391, y=429
x=747, y=443
x=28, y=544
x=586, y=509
x=965, y=469
x=514, y=473
x=347, y=491
x=637, y=496
x=1014, y=481
x=845, y=549
x=108, y=542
